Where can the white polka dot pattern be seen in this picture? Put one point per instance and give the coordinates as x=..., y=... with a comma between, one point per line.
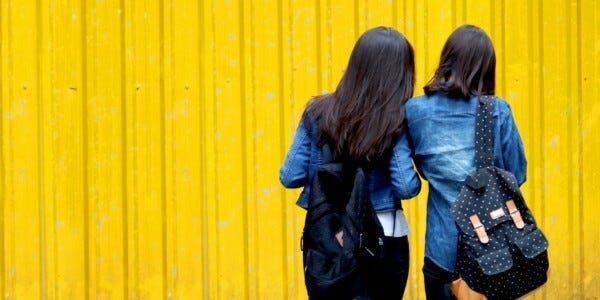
x=514, y=261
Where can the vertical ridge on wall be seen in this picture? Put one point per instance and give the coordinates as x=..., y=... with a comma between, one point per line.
x=342, y=41
x=3, y=149
x=124, y=95
x=233, y=273
x=541, y=131
x=248, y=63
x=319, y=43
x=534, y=174
x=84, y=145
x=572, y=113
x=128, y=117
x=590, y=138
x=243, y=167
x=2, y=159
x=355, y=15
x=579, y=142
x=24, y=142
x=206, y=85
x=538, y=129
x=102, y=103
x=41, y=68
x=147, y=174
x=555, y=122
x=210, y=132
x=162, y=90
x=283, y=72
x=184, y=225
x=288, y=220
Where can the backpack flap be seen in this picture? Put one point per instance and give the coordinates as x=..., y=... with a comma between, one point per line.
x=495, y=262
x=486, y=202
x=532, y=244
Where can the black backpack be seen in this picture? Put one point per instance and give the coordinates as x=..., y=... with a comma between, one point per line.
x=339, y=200
x=501, y=252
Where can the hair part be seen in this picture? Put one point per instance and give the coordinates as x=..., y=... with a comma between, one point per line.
x=467, y=65
x=362, y=118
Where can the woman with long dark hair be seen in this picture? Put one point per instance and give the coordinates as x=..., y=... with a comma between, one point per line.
x=441, y=125
x=362, y=121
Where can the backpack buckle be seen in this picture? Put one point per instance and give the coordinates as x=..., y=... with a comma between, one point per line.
x=479, y=229
x=515, y=214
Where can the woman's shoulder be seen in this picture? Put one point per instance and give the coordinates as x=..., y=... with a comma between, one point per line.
x=427, y=105
x=502, y=106
x=428, y=100
x=310, y=116
x=416, y=104
x=315, y=105
x=417, y=100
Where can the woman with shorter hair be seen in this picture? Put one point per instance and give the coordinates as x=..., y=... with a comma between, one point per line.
x=362, y=122
x=441, y=125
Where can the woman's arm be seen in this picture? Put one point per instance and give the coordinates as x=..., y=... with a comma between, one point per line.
x=405, y=181
x=513, y=153
x=294, y=171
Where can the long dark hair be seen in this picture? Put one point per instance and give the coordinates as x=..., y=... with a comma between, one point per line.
x=365, y=114
x=467, y=65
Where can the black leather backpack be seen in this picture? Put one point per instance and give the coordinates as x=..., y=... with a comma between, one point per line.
x=501, y=252
x=339, y=200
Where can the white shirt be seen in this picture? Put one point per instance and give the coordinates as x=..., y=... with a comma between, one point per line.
x=393, y=227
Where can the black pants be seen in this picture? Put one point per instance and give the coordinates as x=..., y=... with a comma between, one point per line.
x=387, y=280
x=437, y=281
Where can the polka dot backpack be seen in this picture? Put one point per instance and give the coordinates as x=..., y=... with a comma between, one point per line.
x=501, y=252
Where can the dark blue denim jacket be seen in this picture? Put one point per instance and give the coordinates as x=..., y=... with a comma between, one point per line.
x=442, y=130
x=387, y=183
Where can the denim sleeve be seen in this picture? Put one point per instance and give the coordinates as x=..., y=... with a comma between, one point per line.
x=405, y=181
x=513, y=153
x=294, y=171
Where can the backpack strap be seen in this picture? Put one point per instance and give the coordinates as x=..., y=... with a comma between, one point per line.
x=484, y=124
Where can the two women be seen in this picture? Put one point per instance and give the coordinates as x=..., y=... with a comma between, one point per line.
x=368, y=120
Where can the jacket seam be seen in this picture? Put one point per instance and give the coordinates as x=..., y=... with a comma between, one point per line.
x=500, y=113
x=440, y=115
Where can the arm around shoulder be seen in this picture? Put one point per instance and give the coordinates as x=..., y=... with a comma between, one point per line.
x=405, y=180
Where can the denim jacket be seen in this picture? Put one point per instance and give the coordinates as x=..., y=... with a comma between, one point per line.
x=442, y=131
x=387, y=183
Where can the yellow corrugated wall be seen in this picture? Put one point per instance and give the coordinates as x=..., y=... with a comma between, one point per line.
x=141, y=140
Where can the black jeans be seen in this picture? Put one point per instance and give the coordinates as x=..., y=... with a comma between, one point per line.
x=387, y=280
x=437, y=281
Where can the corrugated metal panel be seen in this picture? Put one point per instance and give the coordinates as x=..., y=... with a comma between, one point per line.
x=140, y=140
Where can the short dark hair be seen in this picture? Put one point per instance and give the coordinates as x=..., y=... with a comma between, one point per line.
x=362, y=118
x=467, y=65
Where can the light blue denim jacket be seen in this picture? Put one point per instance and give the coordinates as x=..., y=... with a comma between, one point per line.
x=442, y=131
x=387, y=184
